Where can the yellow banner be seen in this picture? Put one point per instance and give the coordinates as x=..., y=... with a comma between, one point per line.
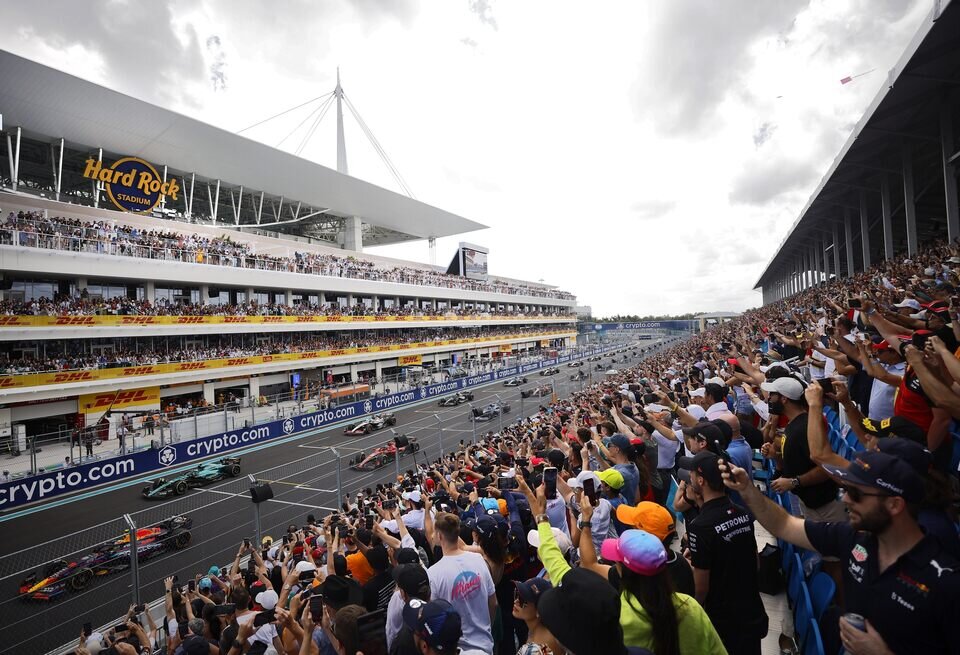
x=67, y=377
x=123, y=321
x=410, y=360
x=98, y=403
x=544, y=343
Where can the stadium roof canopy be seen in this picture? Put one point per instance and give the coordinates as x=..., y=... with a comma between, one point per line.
x=299, y=196
x=893, y=183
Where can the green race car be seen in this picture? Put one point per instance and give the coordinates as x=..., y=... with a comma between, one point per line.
x=204, y=474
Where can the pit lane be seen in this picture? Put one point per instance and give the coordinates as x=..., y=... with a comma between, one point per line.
x=302, y=474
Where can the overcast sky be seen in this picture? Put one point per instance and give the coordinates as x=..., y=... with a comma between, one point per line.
x=648, y=156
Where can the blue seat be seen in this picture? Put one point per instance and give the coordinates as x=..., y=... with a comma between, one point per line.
x=854, y=443
x=795, y=580
x=803, y=612
x=813, y=645
x=787, y=563
x=822, y=591
x=811, y=563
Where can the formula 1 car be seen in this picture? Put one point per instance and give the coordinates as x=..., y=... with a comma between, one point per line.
x=60, y=576
x=574, y=364
x=371, y=424
x=553, y=370
x=579, y=375
x=537, y=392
x=491, y=411
x=205, y=473
x=382, y=456
x=595, y=358
x=456, y=399
x=515, y=382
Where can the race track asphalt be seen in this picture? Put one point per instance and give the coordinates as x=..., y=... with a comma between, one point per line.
x=302, y=473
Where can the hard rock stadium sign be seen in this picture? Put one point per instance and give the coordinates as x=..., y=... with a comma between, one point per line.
x=132, y=183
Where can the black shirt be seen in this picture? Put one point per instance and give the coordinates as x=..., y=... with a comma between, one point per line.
x=796, y=462
x=378, y=590
x=721, y=541
x=914, y=604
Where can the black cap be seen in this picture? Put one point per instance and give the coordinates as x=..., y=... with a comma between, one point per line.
x=339, y=591
x=531, y=590
x=408, y=556
x=704, y=463
x=896, y=426
x=914, y=454
x=556, y=458
x=412, y=579
x=436, y=622
x=705, y=430
x=583, y=598
x=881, y=471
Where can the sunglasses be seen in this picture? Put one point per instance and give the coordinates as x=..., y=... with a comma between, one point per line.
x=517, y=599
x=856, y=495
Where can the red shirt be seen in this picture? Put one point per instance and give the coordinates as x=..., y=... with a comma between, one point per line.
x=910, y=401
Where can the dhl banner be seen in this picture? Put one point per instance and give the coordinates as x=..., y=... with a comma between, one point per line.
x=410, y=360
x=544, y=343
x=120, y=321
x=93, y=405
x=68, y=377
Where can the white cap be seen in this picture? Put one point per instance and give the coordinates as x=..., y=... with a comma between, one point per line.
x=533, y=538
x=267, y=599
x=655, y=408
x=909, y=302
x=305, y=566
x=954, y=260
x=577, y=482
x=698, y=393
x=719, y=381
x=786, y=386
x=272, y=553
x=697, y=412
x=413, y=496
x=930, y=272
x=94, y=643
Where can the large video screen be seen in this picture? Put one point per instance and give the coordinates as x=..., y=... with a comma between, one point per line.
x=474, y=263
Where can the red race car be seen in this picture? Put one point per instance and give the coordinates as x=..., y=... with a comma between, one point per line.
x=382, y=456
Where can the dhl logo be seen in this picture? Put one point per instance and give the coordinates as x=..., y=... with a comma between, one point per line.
x=137, y=320
x=238, y=361
x=75, y=320
x=335, y=353
x=312, y=355
x=11, y=320
x=267, y=358
x=6, y=383
x=123, y=398
x=191, y=366
x=335, y=318
x=234, y=319
x=365, y=349
x=184, y=320
x=79, y=376
x=139, y=370
x=273, y=319
x=306, y=319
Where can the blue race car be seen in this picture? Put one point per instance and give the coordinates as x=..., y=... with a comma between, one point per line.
x=205, y=473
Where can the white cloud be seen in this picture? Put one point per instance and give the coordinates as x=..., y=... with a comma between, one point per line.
x=647, y=156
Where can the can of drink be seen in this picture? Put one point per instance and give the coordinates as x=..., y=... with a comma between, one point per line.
x=856, y=620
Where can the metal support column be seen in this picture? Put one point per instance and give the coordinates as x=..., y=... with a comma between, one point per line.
x=500, y=411
x=256, y=514
x=134, y=559
x=60, y=170
x=13, y=154
x=439, y=432
x=887, y=218
x=473, y=424
x=909, y=205
x=949, y=171
x=97, y=188
x=836, y=250
x=336, y=454
x=864, y=230
x=817, y=257
x=848, y=233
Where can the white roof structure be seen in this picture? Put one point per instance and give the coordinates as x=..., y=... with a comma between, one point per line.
x=48, y=105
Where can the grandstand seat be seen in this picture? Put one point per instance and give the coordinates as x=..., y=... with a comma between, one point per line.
x=811, y=562
x=795, y=579
x=813, y=645
x=833, y=419
x=787, y=553
x=822, y=591
x=803, y=613
x=854, y=443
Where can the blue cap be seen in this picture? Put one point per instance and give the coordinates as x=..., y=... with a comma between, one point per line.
x=436, y=622
x=205, y=583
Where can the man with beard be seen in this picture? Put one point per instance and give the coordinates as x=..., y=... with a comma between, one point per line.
x=901, y=581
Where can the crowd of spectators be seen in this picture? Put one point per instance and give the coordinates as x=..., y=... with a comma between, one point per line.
x=86, y=305
x=33, y=230
x=562, y=533
x=75, y=354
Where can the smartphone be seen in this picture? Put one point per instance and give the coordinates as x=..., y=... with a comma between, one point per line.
x=263, y=618
x=316, y=608
x=225, y=609
x=246, y=542
x=369, y=522
x=826, y=384
x=390, y=503
x=590, y=491
x=855, y=303
x=191, y=585
x=650, y=398
x=140, y=608
x=87, y=629
x=919, y=341
x=306, y=576
x=550, y=481
x=286, y=539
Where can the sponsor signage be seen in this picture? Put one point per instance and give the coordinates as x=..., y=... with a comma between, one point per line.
x=133, y=184
x=127, y=321
x=506, y=348
x=66, y=480
x=650, y=325
x=93, y=405
x=410, y=360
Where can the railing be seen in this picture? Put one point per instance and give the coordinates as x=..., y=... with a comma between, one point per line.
x=328, y=266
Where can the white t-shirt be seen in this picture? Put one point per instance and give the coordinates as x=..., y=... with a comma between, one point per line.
x=882, y=394
x=394, y=617
x=464, y=581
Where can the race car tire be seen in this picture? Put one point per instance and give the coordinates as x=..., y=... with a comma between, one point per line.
x=180, y=488
x=182, y=540
x=392, y=421
x=80, y=579
x=366, y=429
x=53, y=567
x=146, y=492
x=234, y=470
x=416, y=447
x=506, y=410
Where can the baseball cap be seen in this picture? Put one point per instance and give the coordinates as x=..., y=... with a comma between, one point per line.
x=204, y=583
x=882, y=345
x=563, y=541
x=531, y=590
x=909, y=302
x=556, y=458
x=786, y=386
x=698, y=393
x=583, y=598
x=621, y=441
x=639, y=551
x=705, y=430
x=304, y=566
x=715, y=380
x=577, y=482
x=938, y=307
x=648, y=516
x=436, y=622
x=412, y=496
x=883, y=471
x=267, y=599
x=696, y=411
x=485, y=526
x=706, y=464
x=536, y=461
x=412, y=579
x=214, y=571
x=612, y=478
x=896, y=426
x=913, y=453
x=408, y=556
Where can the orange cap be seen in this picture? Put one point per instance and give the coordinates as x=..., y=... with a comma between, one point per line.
x=648, y=516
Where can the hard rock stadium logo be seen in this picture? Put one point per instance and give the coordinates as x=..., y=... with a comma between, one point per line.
x=133, y=184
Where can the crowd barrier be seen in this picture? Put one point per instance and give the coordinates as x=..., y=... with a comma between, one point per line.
x=17, y=381
x=172, y=457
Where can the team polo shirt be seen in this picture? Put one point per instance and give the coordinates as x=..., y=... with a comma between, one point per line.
x=796, y=462
x=914, y=604
x=911, y=402
x=721, y=541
